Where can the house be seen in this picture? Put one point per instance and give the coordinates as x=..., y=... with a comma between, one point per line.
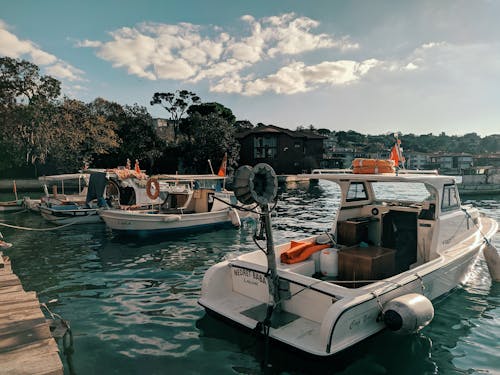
x=165, y=129
x=452, y=163
x=287, y=151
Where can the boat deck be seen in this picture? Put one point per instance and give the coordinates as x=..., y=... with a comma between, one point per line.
x=26, y=343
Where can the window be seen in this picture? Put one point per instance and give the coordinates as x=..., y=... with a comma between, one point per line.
x=450, y=198
x=265, y=147
x=356, y=192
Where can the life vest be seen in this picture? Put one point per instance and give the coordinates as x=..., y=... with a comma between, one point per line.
x=300, y=251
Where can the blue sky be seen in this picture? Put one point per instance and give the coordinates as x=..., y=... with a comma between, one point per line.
x=370, y=66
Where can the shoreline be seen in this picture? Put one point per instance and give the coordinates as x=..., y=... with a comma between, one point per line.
x=22, y=184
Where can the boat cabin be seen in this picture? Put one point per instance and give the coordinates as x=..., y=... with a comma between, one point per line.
x=385, y=223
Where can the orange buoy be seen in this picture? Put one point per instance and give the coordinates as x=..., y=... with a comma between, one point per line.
x=153, y=188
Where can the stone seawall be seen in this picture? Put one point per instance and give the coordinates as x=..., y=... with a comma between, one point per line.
x=21, y=184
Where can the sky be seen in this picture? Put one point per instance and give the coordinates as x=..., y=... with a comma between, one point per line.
x=374, y=67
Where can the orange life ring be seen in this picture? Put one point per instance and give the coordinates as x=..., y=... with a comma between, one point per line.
x=360, y=162
x=373, y=170
x=153, y=194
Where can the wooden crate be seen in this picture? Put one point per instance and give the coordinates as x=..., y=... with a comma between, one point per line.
x=352, y=232
x=366, y=263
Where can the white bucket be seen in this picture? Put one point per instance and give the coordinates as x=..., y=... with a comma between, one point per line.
x=329, y=262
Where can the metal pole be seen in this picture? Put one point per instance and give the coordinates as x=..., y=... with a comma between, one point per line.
x=273, y=281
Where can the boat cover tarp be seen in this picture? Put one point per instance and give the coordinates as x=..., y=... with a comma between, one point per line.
x=97, y=184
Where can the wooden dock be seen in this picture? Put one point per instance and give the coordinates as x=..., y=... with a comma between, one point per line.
x=26, y=343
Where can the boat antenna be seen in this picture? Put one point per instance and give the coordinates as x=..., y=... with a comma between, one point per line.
x=210, y=164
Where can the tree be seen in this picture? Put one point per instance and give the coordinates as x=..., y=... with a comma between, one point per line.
x=27, y=104
x=205, y=109
x=138, y=136
x=176, y=103
x=211, y=137
x=81, y=135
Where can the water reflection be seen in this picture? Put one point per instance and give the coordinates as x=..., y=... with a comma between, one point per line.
x=132, y=302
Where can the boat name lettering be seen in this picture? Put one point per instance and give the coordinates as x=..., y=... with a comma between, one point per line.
x=257, y=276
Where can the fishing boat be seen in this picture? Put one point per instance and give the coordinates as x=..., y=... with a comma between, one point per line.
x=381, y=266
x=192, y=202
x=123, y=188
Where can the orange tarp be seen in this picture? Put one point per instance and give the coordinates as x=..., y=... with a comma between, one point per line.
x=300, y=251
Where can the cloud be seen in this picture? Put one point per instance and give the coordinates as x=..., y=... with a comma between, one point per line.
x=65, y=71
x=12, y=46
x=192, y=53
x=298, y=77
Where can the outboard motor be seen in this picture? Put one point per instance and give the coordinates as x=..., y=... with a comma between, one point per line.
x=408, y=313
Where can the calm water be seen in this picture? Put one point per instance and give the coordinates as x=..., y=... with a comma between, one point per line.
x=132, y=303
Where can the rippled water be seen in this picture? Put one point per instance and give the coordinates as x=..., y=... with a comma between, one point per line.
x=132, y=303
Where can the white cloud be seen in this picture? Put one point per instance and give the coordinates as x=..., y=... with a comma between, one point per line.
x=65, y=71
x=12, y=46
x=88, y=43
x=297, y=77
x=190, y=52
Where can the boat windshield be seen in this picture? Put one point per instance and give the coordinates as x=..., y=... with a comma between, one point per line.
x=402, y=191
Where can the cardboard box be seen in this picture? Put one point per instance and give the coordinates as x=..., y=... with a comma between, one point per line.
x=366, y=263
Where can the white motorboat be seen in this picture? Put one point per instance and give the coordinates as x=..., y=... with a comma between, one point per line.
x=192, y=202
x=381, y=265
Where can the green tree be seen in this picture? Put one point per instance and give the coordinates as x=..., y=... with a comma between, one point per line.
x=176, y=104
x=210, y=137
x=81, y=135
x=138, y=135
x=27, y=104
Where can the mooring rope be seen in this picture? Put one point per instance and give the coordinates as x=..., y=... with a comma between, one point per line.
x=36, y=229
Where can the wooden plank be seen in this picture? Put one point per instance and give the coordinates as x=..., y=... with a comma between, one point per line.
x=18, y=339
x=18, y=296
x=8, y=280
x=21, y=325
x=11, y=288
x=19, y=317
x=49, y=364
x=41, y=347
x=16, y=306
x=11, y=316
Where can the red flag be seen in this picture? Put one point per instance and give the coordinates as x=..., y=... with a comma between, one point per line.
x=222, y=169
x=394, y=155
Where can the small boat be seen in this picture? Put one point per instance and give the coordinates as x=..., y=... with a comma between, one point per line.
x=480, y=181
x=380, y=266
x=11, y=206
x=97, y=189
x=66, y=202
x=191, y=202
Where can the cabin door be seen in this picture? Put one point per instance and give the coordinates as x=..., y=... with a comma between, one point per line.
x=399, y=232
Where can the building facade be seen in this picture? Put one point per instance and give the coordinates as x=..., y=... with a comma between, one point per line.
x=287, y=151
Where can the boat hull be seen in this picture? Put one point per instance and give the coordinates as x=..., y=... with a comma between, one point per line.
x=77, y=216
x=11, y=206
x=148, y=222
x=322, y=318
